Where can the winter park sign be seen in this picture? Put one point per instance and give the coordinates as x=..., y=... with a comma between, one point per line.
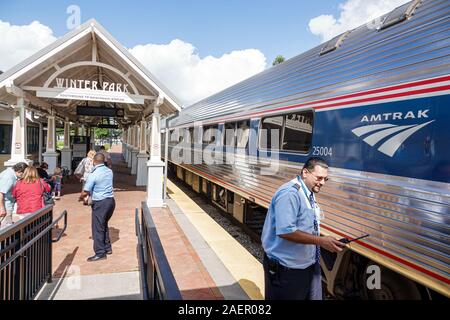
x=87, y=90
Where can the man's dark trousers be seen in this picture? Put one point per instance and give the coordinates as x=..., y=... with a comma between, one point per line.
x=102, y=211
x=290, y=284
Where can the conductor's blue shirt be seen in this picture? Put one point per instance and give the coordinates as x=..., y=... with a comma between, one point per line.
x=289, y=211
x=100, y=183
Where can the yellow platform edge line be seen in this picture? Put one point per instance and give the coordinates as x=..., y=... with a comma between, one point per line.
x=245, y=269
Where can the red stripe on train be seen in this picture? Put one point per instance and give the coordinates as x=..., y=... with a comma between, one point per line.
x=362, y=243
x=393, y=257
x=374, y=91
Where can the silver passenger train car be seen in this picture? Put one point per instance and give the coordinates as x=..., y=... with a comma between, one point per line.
x=373, y=102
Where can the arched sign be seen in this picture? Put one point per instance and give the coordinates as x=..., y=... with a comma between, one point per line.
x=89, y=90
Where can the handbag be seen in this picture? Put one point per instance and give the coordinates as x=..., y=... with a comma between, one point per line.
x=79, y=171
x=47, y=196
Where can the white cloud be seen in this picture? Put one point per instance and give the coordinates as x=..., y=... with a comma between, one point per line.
x=353, y=13
x=20, y=42
x=192, y=78
x=177, y=64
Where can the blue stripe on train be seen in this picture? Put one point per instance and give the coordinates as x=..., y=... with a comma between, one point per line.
x=422, y=124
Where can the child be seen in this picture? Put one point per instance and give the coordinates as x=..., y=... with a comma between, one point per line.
x=57, y=178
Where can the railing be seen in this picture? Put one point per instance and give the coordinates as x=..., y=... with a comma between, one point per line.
x=156, y=277
x=26, y=255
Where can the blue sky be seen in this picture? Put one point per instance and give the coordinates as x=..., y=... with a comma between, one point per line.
x=214, y=27
x=195, y=47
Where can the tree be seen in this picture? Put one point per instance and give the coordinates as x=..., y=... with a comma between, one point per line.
x=279, y=59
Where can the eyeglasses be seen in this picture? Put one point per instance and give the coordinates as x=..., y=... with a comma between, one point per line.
x=318, y=178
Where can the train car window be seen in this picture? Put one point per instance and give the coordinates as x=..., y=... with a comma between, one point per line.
x=172, y=136
x=242, y=133
x=197, y=136
x=230, y=134
x=298, y=131
x=190, y=131
x=271, y=128
x=209, y=134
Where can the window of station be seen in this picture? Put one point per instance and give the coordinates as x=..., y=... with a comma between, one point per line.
x=6, y=138
x=294, y=131
x=32, y=139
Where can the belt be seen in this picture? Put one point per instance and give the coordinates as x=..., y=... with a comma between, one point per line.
x=103, y=199
x=284, y=267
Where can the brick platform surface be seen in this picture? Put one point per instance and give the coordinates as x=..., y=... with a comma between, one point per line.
x=70, y=253
x=191, y=276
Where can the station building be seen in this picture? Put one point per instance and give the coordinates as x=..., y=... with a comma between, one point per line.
x=76, y=83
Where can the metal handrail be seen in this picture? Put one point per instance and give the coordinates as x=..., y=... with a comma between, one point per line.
x=141, y=258
x=26, y=247
x=160, y=282
x=35, y=239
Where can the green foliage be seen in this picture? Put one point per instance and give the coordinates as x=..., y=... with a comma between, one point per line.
x=101, y=133
x=106, y=133
x=279, y=59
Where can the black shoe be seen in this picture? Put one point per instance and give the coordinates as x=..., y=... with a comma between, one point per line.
x=109, y=252
x=96, y=258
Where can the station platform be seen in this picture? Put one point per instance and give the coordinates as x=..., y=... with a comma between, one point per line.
x=207, y=262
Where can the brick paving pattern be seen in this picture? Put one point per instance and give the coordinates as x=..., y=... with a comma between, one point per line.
x=71, y=252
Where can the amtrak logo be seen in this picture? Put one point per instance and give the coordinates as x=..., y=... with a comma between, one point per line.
x=394, y=134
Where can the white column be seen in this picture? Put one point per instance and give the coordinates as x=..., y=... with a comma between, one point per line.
x=155, y=165
x=50, y=156
x=142, y=157
x=66, y=152
x=131, y=133
x=135, y=150
x=41, y=141
x=123, y=143
x=19, y=135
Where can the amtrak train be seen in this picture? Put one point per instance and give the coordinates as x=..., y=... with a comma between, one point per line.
x=374, y=102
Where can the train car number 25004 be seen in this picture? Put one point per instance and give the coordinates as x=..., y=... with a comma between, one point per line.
x=322, y=151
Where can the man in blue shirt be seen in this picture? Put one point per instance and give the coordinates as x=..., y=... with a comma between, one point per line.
x=99, y=185
x=8, y=180
x=291, y=237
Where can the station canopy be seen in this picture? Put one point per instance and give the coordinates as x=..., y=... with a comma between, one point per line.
x=87, y=68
